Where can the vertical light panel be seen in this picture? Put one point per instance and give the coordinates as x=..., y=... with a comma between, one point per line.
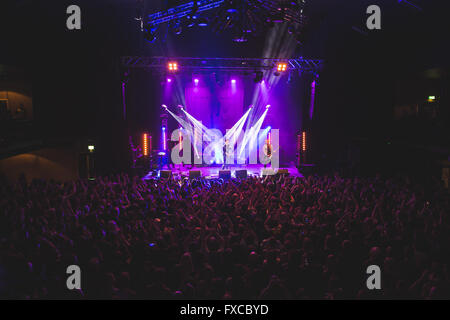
x=180, y=139
x=313, y=96
x=145, y=144
x=164, y=139
x=304, y=141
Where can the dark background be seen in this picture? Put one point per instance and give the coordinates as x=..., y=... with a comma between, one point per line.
x=77, y=90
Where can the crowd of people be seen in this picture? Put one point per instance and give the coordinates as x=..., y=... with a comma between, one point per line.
x=257, y=238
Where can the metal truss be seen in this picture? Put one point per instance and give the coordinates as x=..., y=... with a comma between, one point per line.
x=270, y=7
x=222, y=64
x=182, y=11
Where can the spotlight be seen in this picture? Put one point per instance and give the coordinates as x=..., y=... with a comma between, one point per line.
x=304, y=141
x=268, y=106
x=190, y=22
x=202, y=22
x=172, y=66
x=91, y=148
x=291, y=29
x=259, y=77
x=145, y=144
x=192, y=17
x=269, y=128
x=181, y=107
x=164, y=142
x=169, y=80
x=233, y=81
x=431, y=98
x=240, y=38
x=279, y=17
x=289, y=80
x=164, y=106
x=196, y=81
x=231, y=6
x=281, y=67
x=178, y=29
x=150, y=33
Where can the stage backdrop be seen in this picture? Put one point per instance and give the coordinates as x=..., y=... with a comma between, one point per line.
x=217, y=106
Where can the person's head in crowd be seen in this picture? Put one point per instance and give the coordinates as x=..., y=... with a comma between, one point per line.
x=270, y=238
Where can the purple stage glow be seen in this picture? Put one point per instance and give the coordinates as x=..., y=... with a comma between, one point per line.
x=219, y=101
x=164, y=138
x=313, y=94
x=233, y=86
x=217, y=105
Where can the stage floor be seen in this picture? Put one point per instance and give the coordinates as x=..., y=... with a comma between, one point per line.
x=179, y=171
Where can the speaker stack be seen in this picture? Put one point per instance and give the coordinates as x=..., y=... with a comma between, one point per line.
x=225, y=174
x=166, y=173
x=194, y=174
x=283, y=172
x=241, y=174
x=268, y=172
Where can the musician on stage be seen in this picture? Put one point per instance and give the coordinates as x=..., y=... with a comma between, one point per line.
x=267, y=151
x=226, y=153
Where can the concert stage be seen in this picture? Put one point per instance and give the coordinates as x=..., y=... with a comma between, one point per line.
x=212, y=172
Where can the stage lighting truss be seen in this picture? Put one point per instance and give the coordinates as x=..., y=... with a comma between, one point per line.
x=242, y=17
x=281, y=67
x=172, y=66
x=236, y=65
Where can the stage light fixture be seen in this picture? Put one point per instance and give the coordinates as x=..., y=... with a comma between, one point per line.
x=192, y=17
x=202, y=22
x=231, y=6
x=268, y=106
x=431, y=98
x=247, y=16
x=177, y=28
x=240, y=37
x=169, y=80
x=259, y=77
x=190, y=22
x=150, y=33
x=278, y=17
x=196, y=81
x=180, y=139
x=91, y=148
x=164, y=106
x=292, y=29
x=281, y=67
x=164, y=142
x=303, y=141
x=172, y=66
x=289, y=80
x=145, y=144
x=233, y=81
